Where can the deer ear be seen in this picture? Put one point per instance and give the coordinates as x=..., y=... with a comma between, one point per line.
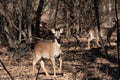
x=61, y=30
x=53, y=30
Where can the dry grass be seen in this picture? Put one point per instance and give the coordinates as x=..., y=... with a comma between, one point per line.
x=78, y=64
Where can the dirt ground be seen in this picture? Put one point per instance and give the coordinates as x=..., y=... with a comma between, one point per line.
x=78, y=64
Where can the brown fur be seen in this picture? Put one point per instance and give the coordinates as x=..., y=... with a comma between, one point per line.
x=48, y=50
x=105, y=34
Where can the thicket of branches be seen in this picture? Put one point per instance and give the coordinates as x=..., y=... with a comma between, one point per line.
x=20, y=19
x=16, y=20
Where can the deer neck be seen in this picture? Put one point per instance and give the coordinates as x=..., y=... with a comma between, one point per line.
x=56, y=42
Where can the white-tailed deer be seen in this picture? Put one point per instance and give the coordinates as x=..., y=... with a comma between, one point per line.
x=105, y=34
x=48, y=50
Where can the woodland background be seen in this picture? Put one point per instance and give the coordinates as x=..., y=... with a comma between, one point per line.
x=23, y=22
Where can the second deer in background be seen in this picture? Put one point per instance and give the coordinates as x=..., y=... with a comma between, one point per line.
x=105, y=33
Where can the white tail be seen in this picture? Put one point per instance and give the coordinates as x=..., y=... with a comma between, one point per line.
x=105, y=34
x=48, y=50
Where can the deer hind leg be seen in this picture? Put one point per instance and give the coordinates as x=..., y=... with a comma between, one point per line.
x=60, y=60
x=35, y=60
x=43, y=67
x=91, y=33
x=97, y=42
x=54, y=67
x=89, y=41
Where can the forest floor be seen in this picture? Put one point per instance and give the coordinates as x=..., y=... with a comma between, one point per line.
x=78, y=64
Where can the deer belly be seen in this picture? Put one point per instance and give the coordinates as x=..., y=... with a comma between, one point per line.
x=46, y=56
x=57, y=53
